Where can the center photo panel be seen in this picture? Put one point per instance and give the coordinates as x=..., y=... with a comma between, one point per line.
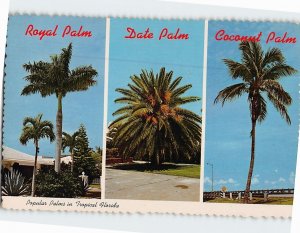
x=154, y=115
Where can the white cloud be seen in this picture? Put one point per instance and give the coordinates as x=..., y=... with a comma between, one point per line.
x=218, y=183
x=255, y=180
x=207, y=180
x=231, y=181
x=292, y=178
x=276, y=170
x=223, y=181
x=276, y=182
x=281, y=179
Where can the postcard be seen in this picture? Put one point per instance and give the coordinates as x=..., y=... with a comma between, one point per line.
x=147, y=115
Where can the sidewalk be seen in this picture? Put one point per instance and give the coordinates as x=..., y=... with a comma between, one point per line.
x=121, y=184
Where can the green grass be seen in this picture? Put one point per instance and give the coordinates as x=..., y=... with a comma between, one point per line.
x=191, y=171
x=270, y=201
x=95, y=186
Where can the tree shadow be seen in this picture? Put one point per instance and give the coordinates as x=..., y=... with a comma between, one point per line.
x=145, y=167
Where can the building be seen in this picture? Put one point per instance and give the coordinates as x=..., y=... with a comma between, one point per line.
x=12, y=158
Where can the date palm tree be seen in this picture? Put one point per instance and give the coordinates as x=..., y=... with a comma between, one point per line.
x=260, y=73
x=152, y=124
x=56, y=78
x=70, y=140
x=36, y=129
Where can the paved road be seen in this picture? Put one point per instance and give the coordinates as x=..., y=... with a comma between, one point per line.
x=133, y=185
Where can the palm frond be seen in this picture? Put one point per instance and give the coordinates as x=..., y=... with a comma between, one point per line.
x=281, y=108
x=238, y=70
x=232, y=92
x=81, y=78
x=275, y=89
x=278, y=71
x=271, y=56
x=151, y=121
x=260, y=72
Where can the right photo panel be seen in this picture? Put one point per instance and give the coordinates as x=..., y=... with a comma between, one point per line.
x=252, y=112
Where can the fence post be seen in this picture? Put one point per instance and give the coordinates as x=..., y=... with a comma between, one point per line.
x=265, y=196
x=223, y=195
x=251, y=197
x=240, y=196
x=230, y=195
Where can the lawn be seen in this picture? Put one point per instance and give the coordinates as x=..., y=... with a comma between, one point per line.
x=93, y=192
x=95, y=186
x=270, y=201
x=191, y=171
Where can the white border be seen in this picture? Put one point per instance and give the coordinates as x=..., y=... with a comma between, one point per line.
x=136, y=206
x=150, y=9
x=139, y=223
x=205, y=49
x=139, y=206
x=106, y=71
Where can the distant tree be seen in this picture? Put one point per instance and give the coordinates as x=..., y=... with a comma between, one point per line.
x=35, y=129
x=70, y=141
x=224, y=189
x=82, y=145
x=83, y=160
x=97, y=156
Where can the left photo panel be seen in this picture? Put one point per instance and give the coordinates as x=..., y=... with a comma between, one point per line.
x=53, y=108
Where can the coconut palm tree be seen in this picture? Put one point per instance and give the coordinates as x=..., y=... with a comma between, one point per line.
x=260, y=73
x=152, y=125
x=36, y=129
x=70, y=140
x=56, y=78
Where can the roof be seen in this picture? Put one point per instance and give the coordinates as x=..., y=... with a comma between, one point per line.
x=12, y=155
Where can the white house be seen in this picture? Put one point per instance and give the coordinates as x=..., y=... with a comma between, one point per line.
x=25, y=162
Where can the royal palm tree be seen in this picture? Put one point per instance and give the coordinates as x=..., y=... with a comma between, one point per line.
x=70, y=140
x=56, y=78
x=152, y=124
x=260, y=73
x=36, y=129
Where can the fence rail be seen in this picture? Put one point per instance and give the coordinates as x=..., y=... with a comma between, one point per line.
x=96, y=181
x=238, y=194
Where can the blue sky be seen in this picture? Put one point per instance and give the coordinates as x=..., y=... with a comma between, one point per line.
x=79, y=107
x=129, y=56
x=228, y=128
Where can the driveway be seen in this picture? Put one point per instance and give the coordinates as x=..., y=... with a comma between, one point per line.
x=124, y=184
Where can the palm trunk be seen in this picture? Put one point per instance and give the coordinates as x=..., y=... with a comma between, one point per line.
x=59, y=119
x=250, y=172
x=34, y=169
x=158, y=162
x=72, y=162
x=155, y=160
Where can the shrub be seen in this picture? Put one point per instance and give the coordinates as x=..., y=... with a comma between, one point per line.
x=14, y=184
x=63, y=184
x=84, y=187
x=87, y=165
